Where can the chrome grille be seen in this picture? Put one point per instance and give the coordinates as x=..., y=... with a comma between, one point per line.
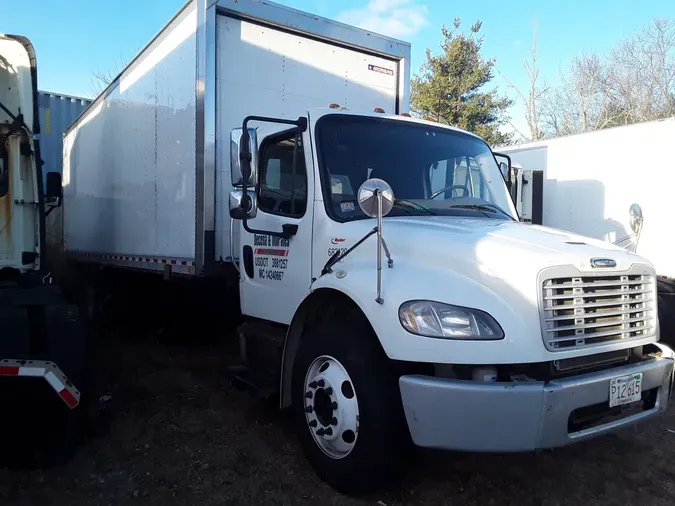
x=594, y=310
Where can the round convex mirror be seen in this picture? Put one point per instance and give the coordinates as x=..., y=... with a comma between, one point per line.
x=636, y=217
x=368, y=197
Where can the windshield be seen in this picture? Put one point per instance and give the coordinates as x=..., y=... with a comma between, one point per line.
x=432, y=170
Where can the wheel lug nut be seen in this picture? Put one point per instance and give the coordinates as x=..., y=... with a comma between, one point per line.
x=309, y=395
x=334, y=405
x=334, y=421
x=320, y=432
x=309, y=409
x=312, y=423
x=328, y=432
x=329, y=391
x=312, y=384
x=321, y=383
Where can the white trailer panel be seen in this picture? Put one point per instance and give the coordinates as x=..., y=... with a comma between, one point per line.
x=592, y=179
x=129, y=160
x=147, y=166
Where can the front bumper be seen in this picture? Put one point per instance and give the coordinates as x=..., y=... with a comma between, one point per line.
x=511, y=417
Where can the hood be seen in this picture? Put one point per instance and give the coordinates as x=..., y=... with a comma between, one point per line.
x=501, y=257
x=508, y=241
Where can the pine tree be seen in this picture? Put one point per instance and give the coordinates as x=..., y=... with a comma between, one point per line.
x=448, y=87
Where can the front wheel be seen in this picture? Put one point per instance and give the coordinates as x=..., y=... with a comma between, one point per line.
x=347, y=407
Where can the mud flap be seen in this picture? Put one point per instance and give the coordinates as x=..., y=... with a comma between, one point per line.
x=41, y=382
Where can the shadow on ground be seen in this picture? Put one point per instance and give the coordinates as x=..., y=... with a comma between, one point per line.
x=178, y=433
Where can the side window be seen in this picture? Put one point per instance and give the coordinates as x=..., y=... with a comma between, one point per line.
x=283, y=188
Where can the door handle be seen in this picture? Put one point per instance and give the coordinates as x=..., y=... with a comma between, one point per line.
x=248, y=261
x=289, y=230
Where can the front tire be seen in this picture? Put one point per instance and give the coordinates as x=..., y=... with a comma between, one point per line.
x=347, y=406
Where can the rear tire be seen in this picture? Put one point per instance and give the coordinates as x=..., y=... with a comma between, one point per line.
x=373, y=455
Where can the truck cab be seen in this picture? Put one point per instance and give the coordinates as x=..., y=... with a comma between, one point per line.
x=416, y=305
x=388, y=291
x=19, y=214
x=42, y=342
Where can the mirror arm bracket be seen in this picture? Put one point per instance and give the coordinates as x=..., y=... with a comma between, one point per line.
x=390, y=261
x=337, y=256
x=288, y=230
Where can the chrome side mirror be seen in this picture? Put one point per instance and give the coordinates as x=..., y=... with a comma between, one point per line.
x=376, y=198
x=236, y=209
x=636, y=218
x=237, y=171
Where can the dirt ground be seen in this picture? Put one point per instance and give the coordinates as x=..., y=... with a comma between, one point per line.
x=178, y=433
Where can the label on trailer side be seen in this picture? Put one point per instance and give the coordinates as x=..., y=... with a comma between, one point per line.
x=271, y=256
x=381, y=70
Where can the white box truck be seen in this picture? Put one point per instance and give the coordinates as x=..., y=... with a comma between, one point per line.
x=614, y=185
x=388, y=292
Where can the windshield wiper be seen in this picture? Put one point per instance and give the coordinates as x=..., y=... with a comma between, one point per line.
x=408, y=204
x=488, y=208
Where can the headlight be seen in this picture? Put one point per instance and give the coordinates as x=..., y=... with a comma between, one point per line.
x=433, y=319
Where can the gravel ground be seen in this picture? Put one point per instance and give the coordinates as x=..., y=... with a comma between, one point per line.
x=176, y=432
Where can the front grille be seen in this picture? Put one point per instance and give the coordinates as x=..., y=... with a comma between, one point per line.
x=594, y=310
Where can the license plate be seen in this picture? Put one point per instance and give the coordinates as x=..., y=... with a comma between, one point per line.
x=625, y=389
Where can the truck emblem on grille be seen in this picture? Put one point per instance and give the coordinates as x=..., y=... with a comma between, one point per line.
x=603, y=262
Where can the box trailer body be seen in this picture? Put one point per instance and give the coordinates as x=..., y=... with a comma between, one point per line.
x=147, y=165
x=587, y=183
x=388, y=292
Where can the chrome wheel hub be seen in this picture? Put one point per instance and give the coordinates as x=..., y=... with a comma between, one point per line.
x=331, y=407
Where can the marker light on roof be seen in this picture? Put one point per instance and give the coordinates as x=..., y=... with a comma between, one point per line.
x=334, y=106
x=406, y=115
x=378, y=109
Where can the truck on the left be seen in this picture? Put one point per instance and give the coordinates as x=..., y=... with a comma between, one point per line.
x=44, y=342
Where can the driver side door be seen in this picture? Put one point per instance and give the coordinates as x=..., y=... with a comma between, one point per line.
x=276, y=271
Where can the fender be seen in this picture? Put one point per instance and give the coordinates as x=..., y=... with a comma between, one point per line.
x=324, y=291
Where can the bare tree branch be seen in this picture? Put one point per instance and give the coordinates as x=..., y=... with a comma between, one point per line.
x=532, y=98
x=102, y=78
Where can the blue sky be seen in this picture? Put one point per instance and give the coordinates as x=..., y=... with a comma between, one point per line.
x=73, y=38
